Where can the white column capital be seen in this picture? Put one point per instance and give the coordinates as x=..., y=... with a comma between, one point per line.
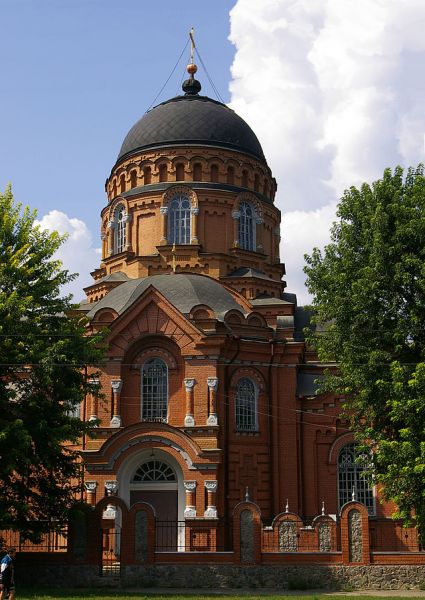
x=163, y=210
x=211, y=485
x=236, y=214
x=116, y=385
x=90, y=486
x=194, y=210
x=111, y=224
x=112, y=487
x=212, y=383
x=189, y=384
x=190, y=486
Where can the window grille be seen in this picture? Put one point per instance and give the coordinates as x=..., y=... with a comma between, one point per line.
x=247, y=227
x=179, y=220
x=154, y=470
x=246, y=406
x=352, y=477
x=154, y=390
x=120, y=227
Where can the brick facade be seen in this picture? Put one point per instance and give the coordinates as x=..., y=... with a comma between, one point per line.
x=216, y=316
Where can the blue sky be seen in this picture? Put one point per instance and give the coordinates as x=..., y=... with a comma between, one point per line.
x=76, y=75
x=334, y=90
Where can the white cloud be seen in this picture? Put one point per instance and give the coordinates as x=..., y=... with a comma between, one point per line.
x=77, y=253
x=335, y=91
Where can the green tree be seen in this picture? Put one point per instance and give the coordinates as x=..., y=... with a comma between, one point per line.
x=368, y=289
x=43, y=354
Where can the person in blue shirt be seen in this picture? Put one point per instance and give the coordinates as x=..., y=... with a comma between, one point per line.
x=7, y=575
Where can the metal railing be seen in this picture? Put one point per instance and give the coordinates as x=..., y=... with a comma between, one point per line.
x=180, y=536
x=53, y=541
x=387, y=536
x=111, y=552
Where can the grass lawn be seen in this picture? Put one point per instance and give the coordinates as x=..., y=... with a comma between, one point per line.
x=124, y=595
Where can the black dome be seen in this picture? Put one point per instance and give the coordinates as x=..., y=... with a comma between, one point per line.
x=195, y=120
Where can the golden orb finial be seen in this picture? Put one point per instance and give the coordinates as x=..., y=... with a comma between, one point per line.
x=191, y=68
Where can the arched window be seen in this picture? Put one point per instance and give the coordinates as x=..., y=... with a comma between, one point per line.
x=231, y=175
x=163, y=173
x=154, y=470
x=122, y=184
x=197, y=172
x=147, y=175
x=247, y=224
x=120, y=230
x=179, y=220
x=352, y=477
x=179, y=172
x=214, y=173
x=114, y=189
x=246, y=406
x=256, y=182
x=154, y=390
x=266, y=189
x=133, y=178
x=244, y=182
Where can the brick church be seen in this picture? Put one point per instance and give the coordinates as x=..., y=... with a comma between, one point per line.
x=209, y=393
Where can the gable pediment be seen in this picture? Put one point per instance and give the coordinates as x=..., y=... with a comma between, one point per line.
x=151, y=314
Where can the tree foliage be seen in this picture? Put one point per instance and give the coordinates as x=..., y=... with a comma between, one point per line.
x=43, y=354
x=369, y=303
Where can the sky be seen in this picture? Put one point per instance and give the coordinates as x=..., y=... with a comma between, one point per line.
x=334, y=90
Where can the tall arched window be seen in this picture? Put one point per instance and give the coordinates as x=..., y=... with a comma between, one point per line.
x=120, y=230
x=246, y=406
x=231, y=175
x=122, y=184
x=179, y=172
x=179, y=220
x=147, y=175
x=247, y=224
x=154, y=390
x=133, y=178
x=244, y=181
x=214, y=173
x=163, y=173
x=352, y=477
x=256, y=182
x=197, y=172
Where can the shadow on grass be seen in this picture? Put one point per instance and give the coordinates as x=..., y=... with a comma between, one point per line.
x=119, y=594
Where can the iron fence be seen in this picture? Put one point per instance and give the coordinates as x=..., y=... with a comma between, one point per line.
x=111, y=552
x=387, y=536
x=180, y=536
x=52, y=541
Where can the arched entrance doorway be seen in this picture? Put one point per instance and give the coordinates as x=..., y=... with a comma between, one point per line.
x=155, y=482
x=154, y=476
